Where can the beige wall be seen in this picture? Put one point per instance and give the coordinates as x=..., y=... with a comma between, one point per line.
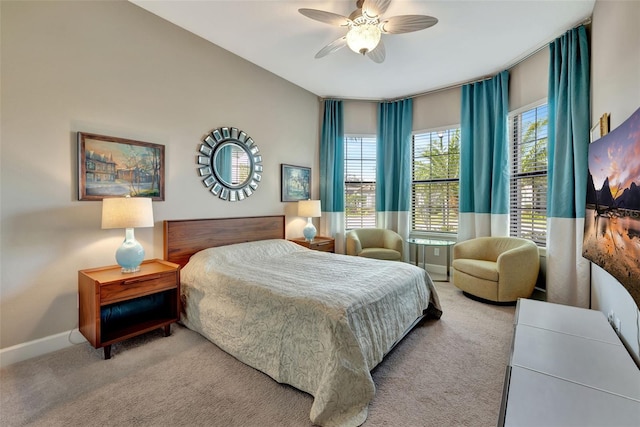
x=115, y=69
x=615, y=89
x=360, y=117
x=430, y=111
x=437, y=110
x=528, y=83
x=529, y=80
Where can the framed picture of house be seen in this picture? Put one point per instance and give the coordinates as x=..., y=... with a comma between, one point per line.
x=109, y=167
x=296, y=183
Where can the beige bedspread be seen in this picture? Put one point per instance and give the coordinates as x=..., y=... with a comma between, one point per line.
x=317, y=321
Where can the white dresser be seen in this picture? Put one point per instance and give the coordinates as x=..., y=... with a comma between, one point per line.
x=568, y=368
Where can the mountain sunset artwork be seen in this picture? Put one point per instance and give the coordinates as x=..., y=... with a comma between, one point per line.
x=612, y=218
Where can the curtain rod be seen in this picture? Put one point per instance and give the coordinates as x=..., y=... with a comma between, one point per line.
x=476, y=80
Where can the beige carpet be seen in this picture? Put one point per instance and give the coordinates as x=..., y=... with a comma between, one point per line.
x=447, y=372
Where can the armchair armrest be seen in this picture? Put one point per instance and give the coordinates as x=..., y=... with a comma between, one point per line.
x=522, y=262
x=354, y=246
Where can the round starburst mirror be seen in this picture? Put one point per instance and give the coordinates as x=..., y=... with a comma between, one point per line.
x=230, y=164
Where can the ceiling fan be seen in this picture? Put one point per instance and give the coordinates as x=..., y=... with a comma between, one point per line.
x=366, y=27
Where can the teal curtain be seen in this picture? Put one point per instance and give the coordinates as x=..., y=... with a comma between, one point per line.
x=569, y=124
x=393, y=165
x=332, y=157
x=223, y=164
x=484, y=170
x=393, y=173
x=569, y=118
x=332, y=172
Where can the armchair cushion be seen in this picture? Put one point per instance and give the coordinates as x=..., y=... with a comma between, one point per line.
x=380, y=253
x=487, y=270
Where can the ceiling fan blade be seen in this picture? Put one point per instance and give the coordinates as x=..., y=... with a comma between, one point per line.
x=326, y=17
x=375, y=8
x=407, y=23
x=334, y=46
x=378, y=54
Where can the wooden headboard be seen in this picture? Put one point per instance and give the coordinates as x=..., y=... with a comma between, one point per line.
x=183, y=238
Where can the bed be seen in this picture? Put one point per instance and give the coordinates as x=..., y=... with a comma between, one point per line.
x=314, y=320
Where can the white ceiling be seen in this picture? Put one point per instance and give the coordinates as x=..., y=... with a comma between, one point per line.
x=473, y=39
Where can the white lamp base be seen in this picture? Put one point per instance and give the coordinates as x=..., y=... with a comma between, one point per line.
x=309, y=231
x=130, y=254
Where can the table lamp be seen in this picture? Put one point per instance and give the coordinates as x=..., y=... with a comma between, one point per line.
x=310, y=209
x=128, y=213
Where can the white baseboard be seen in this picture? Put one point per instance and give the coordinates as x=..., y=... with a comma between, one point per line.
x=27, y=350
x=436, y=269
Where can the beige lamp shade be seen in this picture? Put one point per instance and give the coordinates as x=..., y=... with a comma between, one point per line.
x=127, y=212
x=309, y=208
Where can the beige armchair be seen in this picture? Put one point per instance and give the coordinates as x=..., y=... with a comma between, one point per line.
x=500, y=269
x=376, y=243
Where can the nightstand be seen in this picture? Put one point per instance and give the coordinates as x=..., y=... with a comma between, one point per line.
x=115, y=306
x=323, y=244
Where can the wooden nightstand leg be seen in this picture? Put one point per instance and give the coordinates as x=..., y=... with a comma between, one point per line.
x=107, y=352
x=167, y=330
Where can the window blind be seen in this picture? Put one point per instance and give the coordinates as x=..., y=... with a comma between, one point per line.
x=240, y=167
x=528, y=183
x=360, y=182
x=435, y=181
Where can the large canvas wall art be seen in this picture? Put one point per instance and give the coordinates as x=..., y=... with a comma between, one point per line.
x=612, y=222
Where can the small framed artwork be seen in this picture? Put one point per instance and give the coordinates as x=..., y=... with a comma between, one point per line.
x=109, y=167
x=601, y=128
x=296, y=183
x=604, y=124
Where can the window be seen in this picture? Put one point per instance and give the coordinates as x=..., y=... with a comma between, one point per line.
x=360, y=182
x=435, y=181
x=240, y=166
x=528, y=183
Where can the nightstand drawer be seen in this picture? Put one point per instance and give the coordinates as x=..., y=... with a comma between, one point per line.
x=136, y=287
x=323, y=246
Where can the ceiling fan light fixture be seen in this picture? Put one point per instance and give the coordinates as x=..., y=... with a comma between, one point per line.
x=363, y=38
x=366, y=26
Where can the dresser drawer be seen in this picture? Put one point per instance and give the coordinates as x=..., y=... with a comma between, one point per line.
x=136, y=287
